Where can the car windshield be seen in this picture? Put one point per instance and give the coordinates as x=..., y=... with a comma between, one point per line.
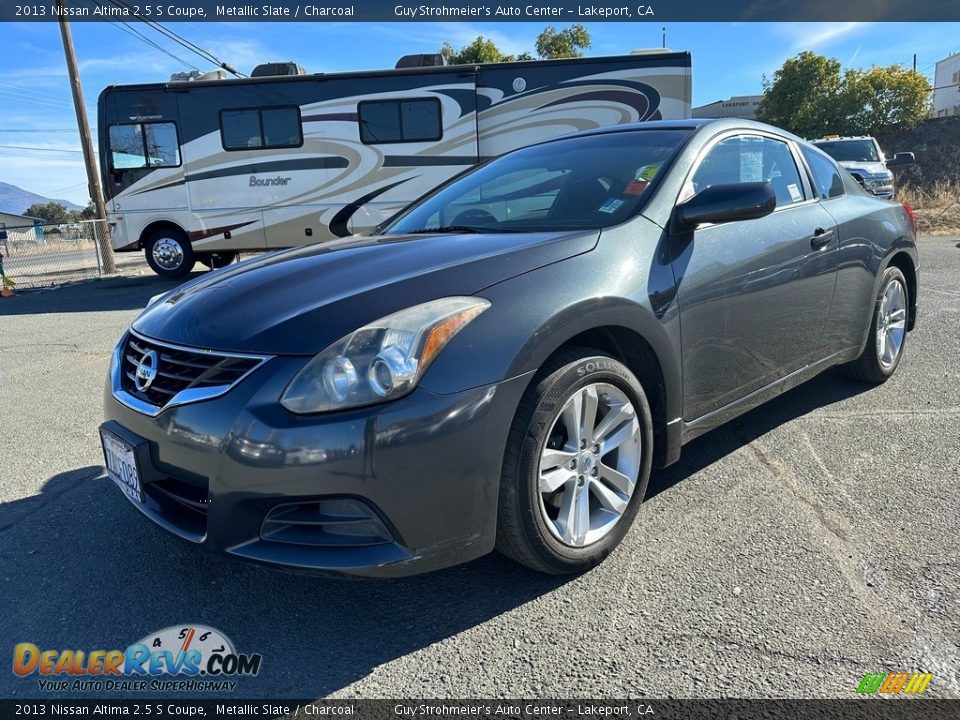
x=850, y=150
x=584, y=182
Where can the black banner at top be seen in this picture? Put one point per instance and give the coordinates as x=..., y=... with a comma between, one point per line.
x=555, y=11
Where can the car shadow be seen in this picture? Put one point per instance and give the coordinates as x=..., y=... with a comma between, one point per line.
x=825, y=389
x=82, y=569
x=130, y=292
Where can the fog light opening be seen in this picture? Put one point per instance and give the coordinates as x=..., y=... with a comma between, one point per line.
x=334, y=523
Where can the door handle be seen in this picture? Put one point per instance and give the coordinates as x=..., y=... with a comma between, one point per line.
x=821, y=237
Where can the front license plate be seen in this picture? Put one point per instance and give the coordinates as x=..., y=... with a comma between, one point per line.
x=122, y=465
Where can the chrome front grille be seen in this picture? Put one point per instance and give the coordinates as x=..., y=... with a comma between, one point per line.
x=182, y=374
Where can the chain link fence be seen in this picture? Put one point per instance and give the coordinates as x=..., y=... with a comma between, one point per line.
x=45, y=255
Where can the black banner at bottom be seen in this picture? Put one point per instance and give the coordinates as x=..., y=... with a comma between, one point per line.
x=866, y=708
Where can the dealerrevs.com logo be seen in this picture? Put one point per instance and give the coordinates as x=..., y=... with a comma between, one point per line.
x=181, y=657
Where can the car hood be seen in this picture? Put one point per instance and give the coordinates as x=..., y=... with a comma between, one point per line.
x=876, y=168
x=299, y=301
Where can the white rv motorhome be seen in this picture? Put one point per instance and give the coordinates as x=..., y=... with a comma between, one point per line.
x=201, y=170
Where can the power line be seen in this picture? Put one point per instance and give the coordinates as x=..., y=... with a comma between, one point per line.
x=170, y=34
x=31, y=91
x=38, y=130
x=37, y=149
x=10, y=95
x=137, y=34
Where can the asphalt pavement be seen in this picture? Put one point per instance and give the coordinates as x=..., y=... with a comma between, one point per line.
x=787, y=554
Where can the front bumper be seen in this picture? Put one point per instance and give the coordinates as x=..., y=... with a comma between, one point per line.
x=427, y=465
x=879, y=187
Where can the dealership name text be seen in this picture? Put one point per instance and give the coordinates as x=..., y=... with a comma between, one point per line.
x=530, y=709
x=582, y=11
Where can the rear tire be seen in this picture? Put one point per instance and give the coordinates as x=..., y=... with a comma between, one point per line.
x=216, y=260
x=576, y=465
x=888, y=331
x=169, y=253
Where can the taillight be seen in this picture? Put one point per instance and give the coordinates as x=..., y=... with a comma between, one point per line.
x=913, y=218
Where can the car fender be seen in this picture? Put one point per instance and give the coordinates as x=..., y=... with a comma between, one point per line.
x=524, y=325
x=902, y=245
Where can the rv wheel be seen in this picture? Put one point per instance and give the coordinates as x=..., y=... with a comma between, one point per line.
x=169, y=253
x=217, y=259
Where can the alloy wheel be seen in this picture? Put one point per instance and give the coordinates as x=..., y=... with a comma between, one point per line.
x=589, y=467
x=891, y=323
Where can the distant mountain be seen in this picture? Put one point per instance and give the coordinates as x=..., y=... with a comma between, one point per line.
x=16, y=200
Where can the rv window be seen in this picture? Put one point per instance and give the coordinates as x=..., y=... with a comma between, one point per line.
x=258, y=129
x=144, y=145
x=390, y=121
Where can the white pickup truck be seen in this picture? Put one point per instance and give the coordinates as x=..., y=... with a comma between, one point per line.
x=862, y=157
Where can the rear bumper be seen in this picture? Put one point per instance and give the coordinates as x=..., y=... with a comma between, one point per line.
x=428, y=466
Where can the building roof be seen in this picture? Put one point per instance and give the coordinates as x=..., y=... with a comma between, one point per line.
x=30, y=218
x=948, y=58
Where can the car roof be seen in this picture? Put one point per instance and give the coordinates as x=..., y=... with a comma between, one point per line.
x=841, y=138
x=691, y=124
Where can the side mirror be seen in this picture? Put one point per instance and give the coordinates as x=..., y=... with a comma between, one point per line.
x=902, y=159
x=727, y=203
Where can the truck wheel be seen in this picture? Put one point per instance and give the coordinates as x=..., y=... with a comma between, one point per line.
x=576, y=465
x=169, y=253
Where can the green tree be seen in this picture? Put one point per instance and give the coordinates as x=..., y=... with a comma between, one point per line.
x=481, y=50
x=882, y=98
x=810, y=97
x=804, y=96
x=51, y=213
x=88, y=213
x=551, y=43
x=566, y=43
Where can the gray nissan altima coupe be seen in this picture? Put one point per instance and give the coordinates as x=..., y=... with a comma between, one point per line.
x=502, y=363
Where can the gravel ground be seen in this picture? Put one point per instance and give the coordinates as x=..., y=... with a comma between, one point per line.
x=811, y=541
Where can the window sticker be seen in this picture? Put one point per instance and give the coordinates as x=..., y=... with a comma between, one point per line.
x=647, y=172
x=751, y=165
x=635, y=187
x=795, y=193
x=611, y=205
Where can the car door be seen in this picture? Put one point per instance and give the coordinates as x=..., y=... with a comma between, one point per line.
x=754, y=295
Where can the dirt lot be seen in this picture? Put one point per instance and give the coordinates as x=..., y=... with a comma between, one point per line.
x=811, y=541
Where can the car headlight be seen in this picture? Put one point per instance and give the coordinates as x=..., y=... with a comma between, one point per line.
x=381, y=361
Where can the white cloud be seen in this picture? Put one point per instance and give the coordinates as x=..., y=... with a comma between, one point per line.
x=811, y=36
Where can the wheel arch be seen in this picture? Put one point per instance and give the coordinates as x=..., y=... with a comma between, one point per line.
x=156, y=225
x=634, y=351
x=901, y=254
x=904, y=262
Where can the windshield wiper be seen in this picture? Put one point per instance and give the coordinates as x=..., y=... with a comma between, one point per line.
x=447, y=229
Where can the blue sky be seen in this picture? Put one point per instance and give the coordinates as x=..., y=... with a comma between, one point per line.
x=728, y=59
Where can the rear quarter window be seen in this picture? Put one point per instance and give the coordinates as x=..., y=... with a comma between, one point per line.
x=826, y=175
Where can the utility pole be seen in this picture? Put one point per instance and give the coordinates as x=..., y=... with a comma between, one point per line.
x=914, y=62
x=86, y=141
x=664, y=30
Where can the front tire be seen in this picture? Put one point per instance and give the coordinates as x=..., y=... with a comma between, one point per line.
x=576, y=465
x=169, y=253
x=888, y=331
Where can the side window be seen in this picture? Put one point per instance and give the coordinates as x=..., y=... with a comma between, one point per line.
x=751, y=158
x=264, y=128
x=392, y=121
x=144, y=145
x=825, y=174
